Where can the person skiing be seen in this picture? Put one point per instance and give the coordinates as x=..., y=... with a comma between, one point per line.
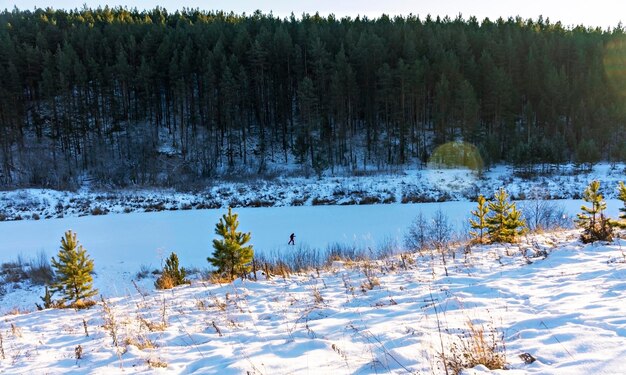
x=292, y=239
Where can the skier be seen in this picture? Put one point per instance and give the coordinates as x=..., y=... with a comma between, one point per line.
x=292, y=238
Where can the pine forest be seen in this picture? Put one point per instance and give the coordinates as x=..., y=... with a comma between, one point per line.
x=155, y=98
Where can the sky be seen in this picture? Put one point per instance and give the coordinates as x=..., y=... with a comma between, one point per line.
x=602, y=13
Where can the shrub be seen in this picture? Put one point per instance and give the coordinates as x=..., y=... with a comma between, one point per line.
x=369, y=200
x=99, y=211
x=417, y=236
x=172, y=275
x=13, y=272
x=440, y=230
x=40, y=271
x=143, y=272
x=82, y=304
x=318, y=201
x=476, y=347
x=165, y=281
x=543, y=214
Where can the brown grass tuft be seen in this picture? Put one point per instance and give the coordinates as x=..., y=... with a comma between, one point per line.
x=140, y=341
x=165, y=281
x=476, y=346
x=81, y=304
x=156, y=363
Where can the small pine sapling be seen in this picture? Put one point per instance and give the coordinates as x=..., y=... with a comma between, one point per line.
x=172, y=275
x=596, y=227
x=73, y=271
x=505, y=223
x=231, y=256
x=46, y=299
x=479, y=235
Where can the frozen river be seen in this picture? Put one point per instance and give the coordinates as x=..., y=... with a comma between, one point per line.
x=145, y=238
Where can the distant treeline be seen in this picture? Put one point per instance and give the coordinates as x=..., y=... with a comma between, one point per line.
x=151, y=97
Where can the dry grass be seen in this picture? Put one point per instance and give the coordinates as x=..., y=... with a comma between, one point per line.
x=17, y=311
x=156, y=363
x=110, y=323
x=317, y=296
x=140, y=341
x=2, y=347
x=165, y=281
x=476, y=346
x=216, y=278
x=152, y=326
x=81, y=304
x=221, y=306
x=371, y=280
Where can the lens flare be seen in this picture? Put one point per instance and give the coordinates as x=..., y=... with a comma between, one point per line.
x=456, y=155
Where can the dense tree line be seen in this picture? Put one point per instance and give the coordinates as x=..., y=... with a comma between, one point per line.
x=151, y=97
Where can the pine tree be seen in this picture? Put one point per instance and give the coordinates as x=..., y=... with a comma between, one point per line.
x=230, y=254
x=73, y=270
x=46, y=299
x=480, y=224
x=172, y=275
x=596, y=227
x=505, y=224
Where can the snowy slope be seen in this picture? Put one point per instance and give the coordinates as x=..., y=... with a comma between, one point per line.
x=565, y=309
x=120, y=244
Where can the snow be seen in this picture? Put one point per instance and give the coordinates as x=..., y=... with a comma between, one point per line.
x=417, y=186
x=382, y=316
x=146, y=238
x=566, y=310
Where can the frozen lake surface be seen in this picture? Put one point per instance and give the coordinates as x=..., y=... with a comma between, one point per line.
x=145, y=238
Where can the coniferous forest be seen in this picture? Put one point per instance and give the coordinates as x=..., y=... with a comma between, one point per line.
x=131, y=97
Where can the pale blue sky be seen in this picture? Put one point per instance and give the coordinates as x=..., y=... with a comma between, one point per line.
x=602, y=13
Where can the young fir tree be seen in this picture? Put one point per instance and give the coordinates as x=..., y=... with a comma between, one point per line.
x=173, y=275
x=73, y=270
x=231, y=255
x=46, y=299
x=596, y=227
x=505, y=224
x=480, y=224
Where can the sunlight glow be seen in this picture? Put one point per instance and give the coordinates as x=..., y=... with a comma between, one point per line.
x=456, y=154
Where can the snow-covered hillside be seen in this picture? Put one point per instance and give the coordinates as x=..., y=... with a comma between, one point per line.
x=411, y=186
x=561, y=302
x=549, y=296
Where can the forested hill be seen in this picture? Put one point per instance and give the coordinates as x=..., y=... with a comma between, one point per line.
x=151, y=97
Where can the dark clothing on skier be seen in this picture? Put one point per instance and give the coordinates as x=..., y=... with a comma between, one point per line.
x=292, y=239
